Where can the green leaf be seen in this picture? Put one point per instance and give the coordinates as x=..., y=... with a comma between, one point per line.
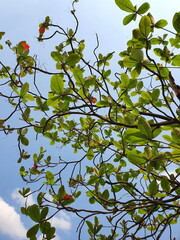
x=90, y=154
x=129, y=63
x=143, y=8
x=34, y=213
x=78, y=75
x=50, y=178
x=124, y=80
x=57, y=56
x=61, y=192
x=134, y=136
x=44, y=213
x=155, y=94
x=45, y=227
x=136, y=33
x=144, y=26
x=161, y=23
x=165, y=185
x=50, y=233
x=175, y=134
x=136, y=157
x=129, y=18
x=125, y=5
x=24, y=89
x=1, y=34
x=176, y=60
x=164, y=72
x=153, y=188
x=137, y=54
x=32, y=231
x=57, y=84
x=72, y=59
x=167, y=138
x=176, y=21
x=90, y=226
x=105, y=194
x=24, y=140
x=144, y=127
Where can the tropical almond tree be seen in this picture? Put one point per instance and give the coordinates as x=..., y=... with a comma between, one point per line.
x=122, y=127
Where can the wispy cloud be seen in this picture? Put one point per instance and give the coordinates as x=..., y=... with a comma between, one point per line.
x=10, y=222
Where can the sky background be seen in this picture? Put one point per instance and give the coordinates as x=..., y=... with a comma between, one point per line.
x=20, y=20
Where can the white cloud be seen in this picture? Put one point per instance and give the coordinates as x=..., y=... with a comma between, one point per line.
x=62, y=221
x=10, y=222
x=20, y=199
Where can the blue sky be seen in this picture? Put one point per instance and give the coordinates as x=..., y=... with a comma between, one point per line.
x=20, y=19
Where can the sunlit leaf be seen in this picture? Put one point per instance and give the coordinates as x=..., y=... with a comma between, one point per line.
x=72, y=59
x=161, y=23
x=24, y=89
x=125, y=5
x=144, y=127
x=143, y=8
x=176, y=21
x=144, y=26
x=129, y=18
x=57, y=84
x=136, y=157
x=50, y=178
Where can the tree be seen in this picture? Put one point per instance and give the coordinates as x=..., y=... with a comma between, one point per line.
x=122, y=126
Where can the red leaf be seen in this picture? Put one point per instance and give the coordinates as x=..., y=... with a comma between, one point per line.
x=25, y=46
x=35, y=166
x=93, y=100
x=42, y=29
x=67, y=197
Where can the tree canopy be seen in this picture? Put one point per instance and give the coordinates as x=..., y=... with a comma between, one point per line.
x=121, y=126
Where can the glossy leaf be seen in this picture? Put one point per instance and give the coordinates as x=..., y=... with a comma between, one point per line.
x=176, y=60
x=129, y=18
x=137, y=54
x=176, y=21
x=145, y=128
x=143, y=8
x=61, y=193
x=78, y=75
x=161, y=23
x=57, y=84
x=72, y=59
x=136, y=157
x=144, y=26
x=125, y=5
x=50, y=178
x=57, y=56
x=24, y=89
